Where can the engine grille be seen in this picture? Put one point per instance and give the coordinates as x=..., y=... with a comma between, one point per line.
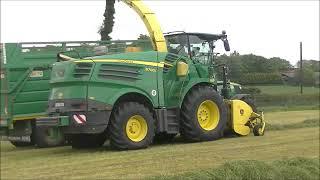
x=82, y=70
x=119, y=72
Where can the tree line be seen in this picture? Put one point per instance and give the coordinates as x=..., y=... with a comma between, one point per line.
x=254, y=69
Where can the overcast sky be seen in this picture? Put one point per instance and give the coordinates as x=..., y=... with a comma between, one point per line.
x=267, y=28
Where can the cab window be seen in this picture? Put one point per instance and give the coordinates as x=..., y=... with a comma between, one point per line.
x=178, y=44
x=200, y=50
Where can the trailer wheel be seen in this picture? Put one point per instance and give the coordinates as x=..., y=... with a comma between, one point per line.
x=79, y=141
x=204, y=115
x=132, y=126
x=48, y=137
x=21, y=144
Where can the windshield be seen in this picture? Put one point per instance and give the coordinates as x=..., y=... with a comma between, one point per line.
x=177, y=44
x=200, y=49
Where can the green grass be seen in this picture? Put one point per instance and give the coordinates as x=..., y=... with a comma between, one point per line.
x=285, y=89
x=295, y=168
x=288, y=108
x=169, y=159
x=166, y=159
x=291, y=117
x=306, y=123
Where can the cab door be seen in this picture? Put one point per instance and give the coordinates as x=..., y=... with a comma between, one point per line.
x=173, y=84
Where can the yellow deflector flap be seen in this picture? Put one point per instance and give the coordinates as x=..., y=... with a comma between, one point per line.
x=240, y=115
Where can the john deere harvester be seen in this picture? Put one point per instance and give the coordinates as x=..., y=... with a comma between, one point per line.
x=132, y=98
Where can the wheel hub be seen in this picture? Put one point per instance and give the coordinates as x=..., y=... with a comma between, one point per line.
x=208, y=115
x=136, y=128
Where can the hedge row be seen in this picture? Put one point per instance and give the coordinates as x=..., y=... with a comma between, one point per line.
x=260, y=78
x=286, y=100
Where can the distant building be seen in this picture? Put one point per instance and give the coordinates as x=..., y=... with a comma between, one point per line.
x=288, y=76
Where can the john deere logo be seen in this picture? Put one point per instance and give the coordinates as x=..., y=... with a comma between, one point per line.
x=241, y=112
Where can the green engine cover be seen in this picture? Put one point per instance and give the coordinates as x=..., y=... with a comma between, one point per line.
x=107, y=78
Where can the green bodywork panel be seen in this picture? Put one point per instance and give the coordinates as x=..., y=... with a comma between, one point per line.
x=24, y=82
x=26, y=72
x=107, y=78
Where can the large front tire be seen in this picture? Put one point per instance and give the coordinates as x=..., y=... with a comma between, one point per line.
x=132, y=126
x=203, y=115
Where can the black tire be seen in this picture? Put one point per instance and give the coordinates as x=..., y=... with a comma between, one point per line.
x=81, y=141
x=251, y=103
x=21, y=144
x=190, y=127
x=257, y=130
x=43, y=138
x=164, y=137
x=25, y=144
x=117, y=127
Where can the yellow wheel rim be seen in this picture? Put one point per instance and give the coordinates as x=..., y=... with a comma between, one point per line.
x=208, y=115
x=136, y=128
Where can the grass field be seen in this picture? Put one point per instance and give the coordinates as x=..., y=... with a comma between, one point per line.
x=290, y=117
x=295, y=168
x=171, y=159
x=286, y=89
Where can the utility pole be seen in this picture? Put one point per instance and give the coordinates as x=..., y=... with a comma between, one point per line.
x=301, y=70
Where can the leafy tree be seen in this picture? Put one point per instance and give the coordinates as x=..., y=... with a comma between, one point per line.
x=278, y=64
x=262, y=70
x=143, y=37
x=108, y=22
x=310, y=64
x=233, y=62
x=309, y=70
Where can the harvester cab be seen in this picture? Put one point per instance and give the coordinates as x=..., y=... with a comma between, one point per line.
x=197, y=46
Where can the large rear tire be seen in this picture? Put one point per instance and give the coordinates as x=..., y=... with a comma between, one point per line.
x=132, y=126
x=203, y=115
x=48, y=137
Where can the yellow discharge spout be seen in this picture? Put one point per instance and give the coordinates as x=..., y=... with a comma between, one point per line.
x=151, y=22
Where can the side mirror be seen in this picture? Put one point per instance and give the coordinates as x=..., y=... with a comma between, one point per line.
x=226, y=44
x=182, y=68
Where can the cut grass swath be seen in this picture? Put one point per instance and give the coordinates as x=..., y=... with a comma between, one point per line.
x=295, y=168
